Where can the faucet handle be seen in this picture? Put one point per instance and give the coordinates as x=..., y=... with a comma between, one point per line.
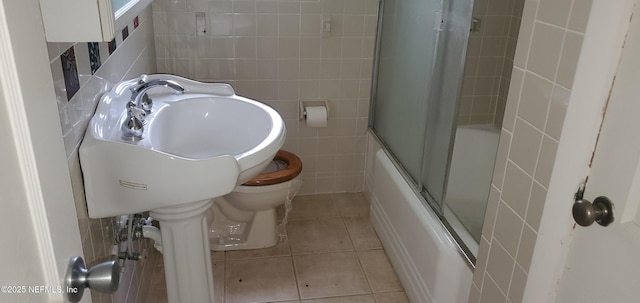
x=133, y=111
x=133, y=126
x=146, y=103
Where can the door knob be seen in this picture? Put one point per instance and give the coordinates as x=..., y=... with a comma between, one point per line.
x=600, y=211
x=103, y=277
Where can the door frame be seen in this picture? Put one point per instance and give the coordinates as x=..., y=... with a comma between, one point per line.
x=597, y=65
x=34, y=121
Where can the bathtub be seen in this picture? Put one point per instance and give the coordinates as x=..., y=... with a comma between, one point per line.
x=424, y=254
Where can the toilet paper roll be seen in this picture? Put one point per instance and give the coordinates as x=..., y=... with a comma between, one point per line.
x=316, y=116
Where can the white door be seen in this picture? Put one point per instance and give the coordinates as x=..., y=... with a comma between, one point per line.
x=38, y=223
x=602, y=265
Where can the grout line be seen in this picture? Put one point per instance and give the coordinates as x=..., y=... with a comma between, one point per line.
x=295, y=274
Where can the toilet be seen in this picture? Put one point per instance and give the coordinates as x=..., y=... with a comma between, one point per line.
x=246, y=218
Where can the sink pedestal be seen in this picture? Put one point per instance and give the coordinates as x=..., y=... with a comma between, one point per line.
x=187, y=258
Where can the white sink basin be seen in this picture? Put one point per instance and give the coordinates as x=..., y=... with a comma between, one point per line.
x=195, y=146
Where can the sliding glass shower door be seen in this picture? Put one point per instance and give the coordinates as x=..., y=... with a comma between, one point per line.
x=406, y=52
x=420, y=63
x=418, y=78
x=443, y=100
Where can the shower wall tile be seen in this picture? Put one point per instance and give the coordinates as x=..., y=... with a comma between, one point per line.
x=274, y=52
x=500, y=265
x=516, y=189
x=568, y=61
x=491, y=293
x=491, y=211
x=97, y=70
x=511, y=108
x=536, y=205
x=525, y=33
x=549, y=43
x=579, y=15
x=489, y=61
x=483, y=254
x=526, y=246
x=525, y=146
x=535, y=97
x=507, y=228
x=555, y=12
x=546, y=46
x=518, y=281
x=474, y=294
x=545, y=161
x=557, y=110
x=501, y=159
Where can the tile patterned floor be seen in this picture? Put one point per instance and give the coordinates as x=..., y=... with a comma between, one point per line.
x=332, y=255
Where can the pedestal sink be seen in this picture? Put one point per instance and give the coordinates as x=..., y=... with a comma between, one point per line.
x=194, y=147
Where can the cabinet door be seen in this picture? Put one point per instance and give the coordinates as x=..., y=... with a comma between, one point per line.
x=87, y=21
x=78, y=20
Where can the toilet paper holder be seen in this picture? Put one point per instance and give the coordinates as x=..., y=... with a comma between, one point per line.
x=302, y=114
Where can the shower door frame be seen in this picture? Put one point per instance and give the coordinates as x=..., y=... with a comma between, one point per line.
x=418, y=185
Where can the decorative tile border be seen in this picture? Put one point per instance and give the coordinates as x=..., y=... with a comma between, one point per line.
x=70, y=72
x=112, y=46
x=125, y=33
x=94, y=56
x=69, y=61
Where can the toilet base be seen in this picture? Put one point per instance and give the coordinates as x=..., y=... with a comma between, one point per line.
x=257, y=232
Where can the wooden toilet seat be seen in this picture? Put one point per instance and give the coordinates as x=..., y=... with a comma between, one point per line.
x=294, y=167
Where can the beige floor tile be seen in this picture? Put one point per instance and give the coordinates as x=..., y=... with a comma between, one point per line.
x=327, y=224
x=362, y=234
x=349, y=299
x=313, y=207
x=318, y=236
x=391, y=297
x=330, y=275
x=218, y=280
x=352, y=204
x=157, y=284
x=157, y=292
x=260, y=280
x=281, y=249
x=217, y=255
x=380, y=273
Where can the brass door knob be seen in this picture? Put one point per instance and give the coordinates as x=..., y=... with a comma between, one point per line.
x=600, y=211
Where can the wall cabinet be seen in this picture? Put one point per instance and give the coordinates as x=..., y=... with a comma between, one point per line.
x=87, y=21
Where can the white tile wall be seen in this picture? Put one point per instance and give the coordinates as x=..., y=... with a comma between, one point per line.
x=548, y=46
x=134, y=56
x=273, y=51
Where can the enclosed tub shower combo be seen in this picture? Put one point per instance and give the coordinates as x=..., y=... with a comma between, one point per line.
x=440, y=81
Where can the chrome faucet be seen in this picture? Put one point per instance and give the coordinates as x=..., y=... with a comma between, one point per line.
x=140, y=105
